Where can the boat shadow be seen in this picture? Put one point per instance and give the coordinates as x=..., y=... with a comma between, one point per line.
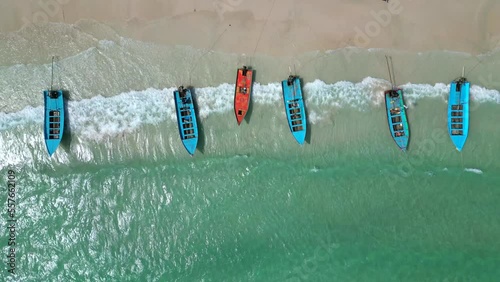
x=308, y=124
x=66, y=138
x=201, y=131
x=248, y=116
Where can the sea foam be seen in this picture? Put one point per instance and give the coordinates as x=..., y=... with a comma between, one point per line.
x=100, y=116
x=474, y=170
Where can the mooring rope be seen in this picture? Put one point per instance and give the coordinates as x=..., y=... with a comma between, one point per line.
x=204, y=54
x=262, y=31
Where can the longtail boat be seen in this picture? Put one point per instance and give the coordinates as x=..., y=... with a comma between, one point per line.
x=458, y=111
x=186, y=119
x=53, y=116
x=294, y=107
x=396, y=111
x=242, y=92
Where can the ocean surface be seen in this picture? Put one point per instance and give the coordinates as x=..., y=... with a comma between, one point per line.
x=121, y=199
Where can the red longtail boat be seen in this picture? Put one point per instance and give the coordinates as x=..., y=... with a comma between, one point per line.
x=244, y=81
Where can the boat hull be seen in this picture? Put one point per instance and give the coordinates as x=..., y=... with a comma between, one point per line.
x=294, y=108
x=458, y=112
x=53, y=119
x=396, y=117
x=186, y=119
x=242, y=93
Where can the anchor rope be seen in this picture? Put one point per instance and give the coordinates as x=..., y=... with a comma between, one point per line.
x=52, y=77
x=294, y=36
x=262, y=31
x=204, y=54
x=321, y=45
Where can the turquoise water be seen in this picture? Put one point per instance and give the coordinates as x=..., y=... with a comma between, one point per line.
x=121, y=200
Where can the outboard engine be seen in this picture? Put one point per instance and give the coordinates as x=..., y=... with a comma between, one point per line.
x=459, y=82
x=393, y=94
x=53, y=94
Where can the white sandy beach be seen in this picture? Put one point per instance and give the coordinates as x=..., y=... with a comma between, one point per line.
x=288, y=27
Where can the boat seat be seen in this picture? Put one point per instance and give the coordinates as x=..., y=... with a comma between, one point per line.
x=397, y=127
x=396, y=119
x=395, y=111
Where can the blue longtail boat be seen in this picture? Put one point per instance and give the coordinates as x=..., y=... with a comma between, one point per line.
x=294, y=108
x=53, y=116
x=396, y=111
x=186, y=119
x=396, y=116
x=54, y=119
x=458, y=112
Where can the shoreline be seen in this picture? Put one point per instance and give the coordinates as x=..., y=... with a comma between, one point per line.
x=111, y=68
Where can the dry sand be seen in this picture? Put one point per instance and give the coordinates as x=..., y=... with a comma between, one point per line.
x=279, y=27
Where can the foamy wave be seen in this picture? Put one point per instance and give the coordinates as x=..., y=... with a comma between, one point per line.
x=100, y=117
x=23, y=117
x=474, y=170
x=346, y=94
x=482, y=95
x=413, y=92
